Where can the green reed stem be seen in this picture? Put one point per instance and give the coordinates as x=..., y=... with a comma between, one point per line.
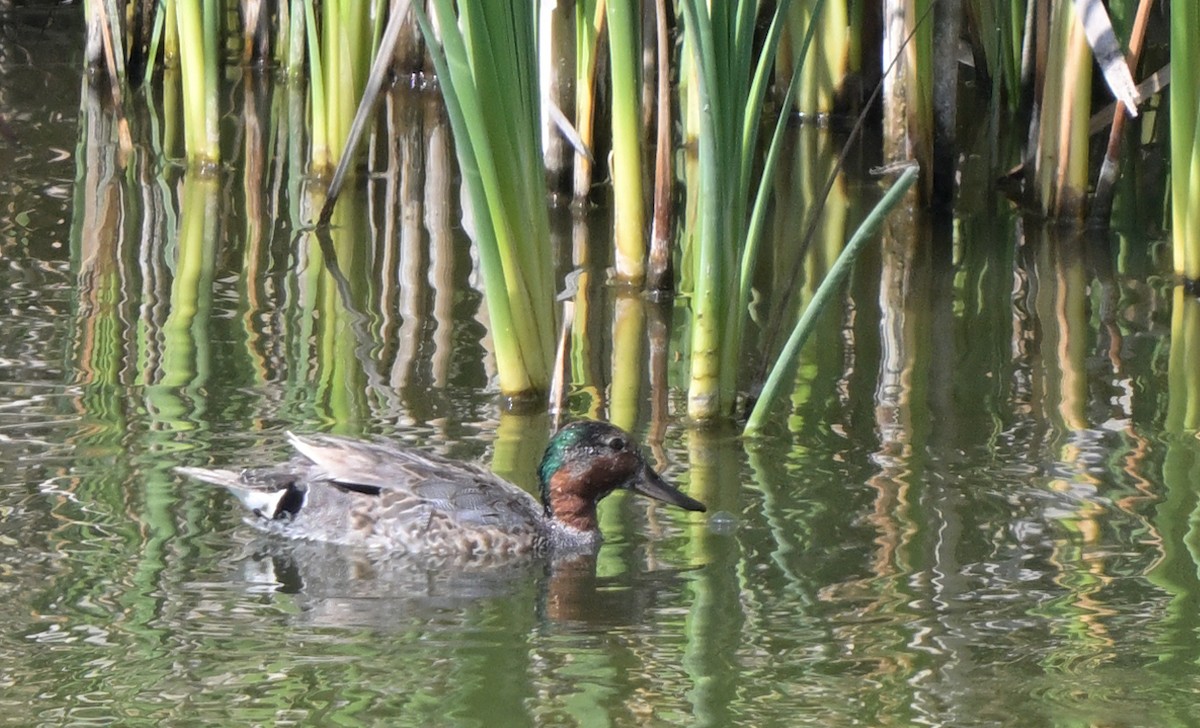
x=821, y=76
x=589, y=18
x=1185, y=138
x=824, y=295
x=320, y=154
x=346, y=30
x=198, y=66
x=293, y=62
x=1000, y=27
x=732, y=80
x=156, y=40
x=485, y=60
x=629, y=213
x=170, y=35
x=758, y=214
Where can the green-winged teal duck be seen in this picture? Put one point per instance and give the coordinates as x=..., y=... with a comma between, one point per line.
x=387, y=498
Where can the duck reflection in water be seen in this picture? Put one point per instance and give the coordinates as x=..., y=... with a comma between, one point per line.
x=332, y=587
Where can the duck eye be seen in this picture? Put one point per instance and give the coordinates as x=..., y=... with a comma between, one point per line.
x=617, y=443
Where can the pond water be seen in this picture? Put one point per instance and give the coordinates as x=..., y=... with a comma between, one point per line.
x=980, y=508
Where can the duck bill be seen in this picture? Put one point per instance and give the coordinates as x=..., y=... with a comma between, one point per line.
x=650, y=484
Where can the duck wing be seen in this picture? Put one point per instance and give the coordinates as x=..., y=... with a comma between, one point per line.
x=376, y=467
x=418, y=491
x=380, y=496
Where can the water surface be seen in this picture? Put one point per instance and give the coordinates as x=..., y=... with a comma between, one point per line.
x=978, y=510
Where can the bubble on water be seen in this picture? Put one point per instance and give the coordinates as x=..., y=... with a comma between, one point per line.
x=722, y=522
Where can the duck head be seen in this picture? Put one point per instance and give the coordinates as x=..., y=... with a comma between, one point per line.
x=586, y=461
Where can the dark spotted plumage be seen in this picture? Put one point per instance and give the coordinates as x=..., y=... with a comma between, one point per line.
x=383, y=497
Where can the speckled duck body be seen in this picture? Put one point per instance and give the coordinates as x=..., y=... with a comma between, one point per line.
x=381, y=497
